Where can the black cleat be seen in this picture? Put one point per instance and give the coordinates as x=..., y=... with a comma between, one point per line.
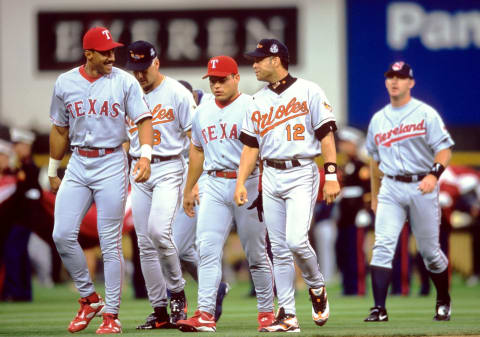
x=442, y=311
x=155, y=322
x=223, y=289
x=178, y=307
x=320, y=306
x=377, y=314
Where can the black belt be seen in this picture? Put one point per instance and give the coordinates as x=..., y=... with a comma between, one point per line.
x=283, y=164
x=408, y=179
x=158, y=159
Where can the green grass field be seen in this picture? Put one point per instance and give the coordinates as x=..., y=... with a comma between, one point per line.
x=52, y=310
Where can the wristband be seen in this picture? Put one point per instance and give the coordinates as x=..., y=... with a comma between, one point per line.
x=437, y=170
x=330, y=171
x=53, y=165
x=146, y=151
x=331, y=177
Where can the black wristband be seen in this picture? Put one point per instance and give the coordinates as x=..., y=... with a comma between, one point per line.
x=330, y=168
x=437, y=170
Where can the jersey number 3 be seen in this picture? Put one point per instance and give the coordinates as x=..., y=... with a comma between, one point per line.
x=298, y=130
x=157, y=137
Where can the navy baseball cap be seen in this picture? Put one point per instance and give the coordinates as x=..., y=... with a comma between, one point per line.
x=399, y=69
x=269, y=47
x=140, y=55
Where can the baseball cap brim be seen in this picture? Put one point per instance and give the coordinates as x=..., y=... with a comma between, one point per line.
x=109, y=46
x=137, y=66
x=255, y=54
x=217, y=74
x=396, y=73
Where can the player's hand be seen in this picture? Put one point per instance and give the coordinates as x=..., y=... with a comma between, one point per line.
x=258, y=204
x=189, y=202
x=331, y=189
x=54, y=184
x=240, y=195
x=427, y=185
x=196, y=194
x=141, y=171
x=374, y=204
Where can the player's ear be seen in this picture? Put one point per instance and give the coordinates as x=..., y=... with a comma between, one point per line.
x=156, y=62
x=412, y=83
x=88, y=54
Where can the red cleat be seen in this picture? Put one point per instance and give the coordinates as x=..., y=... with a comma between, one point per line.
x=90, y=307
x=265, y=319
x=201, y=321
x=110, y=324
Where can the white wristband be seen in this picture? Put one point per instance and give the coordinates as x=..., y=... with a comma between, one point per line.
x=331, y=177
x=146, y=151
x=53, y=166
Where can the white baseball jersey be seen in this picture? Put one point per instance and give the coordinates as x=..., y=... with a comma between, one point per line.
x=95, y=109
x=404, y=140
x=285, y=124
x=171, y=105
x=216, y=130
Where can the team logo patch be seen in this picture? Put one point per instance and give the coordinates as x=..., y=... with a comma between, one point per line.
x=274, y=48
x=398, y=66
x=136, y=57
x=152, y=52
x=327, y=106
x=331, y=168
x=259, y=46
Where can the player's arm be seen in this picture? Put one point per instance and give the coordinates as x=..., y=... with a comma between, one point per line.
x=195, y=169
x=331, y=189
x=441, y=160
x=248, y=162
x=375, y=182
x=141, y=171
x=58, y=148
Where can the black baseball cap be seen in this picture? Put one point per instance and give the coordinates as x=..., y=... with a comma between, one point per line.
x=140, y=55
x=269, y=47
x=400, y=69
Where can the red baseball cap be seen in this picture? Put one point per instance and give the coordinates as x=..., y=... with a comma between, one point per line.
x=221, y=66
x=99, y=38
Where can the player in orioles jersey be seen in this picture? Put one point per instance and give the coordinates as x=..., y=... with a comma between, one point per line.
x=289, y=123
x=155, y=202
x=216, y=149
x=89, y=106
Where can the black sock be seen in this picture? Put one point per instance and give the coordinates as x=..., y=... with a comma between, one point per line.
x=441, y=284
x=161, y=312
x=380, y=282
x=180, y=295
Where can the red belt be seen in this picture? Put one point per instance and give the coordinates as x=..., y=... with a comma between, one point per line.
x=94, y=153
x=224, y=174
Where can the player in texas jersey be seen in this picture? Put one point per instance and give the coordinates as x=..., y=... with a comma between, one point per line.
x=216, y=149
x=155, y=202
x=88, y=110
x=410, y=147
x=289, y=123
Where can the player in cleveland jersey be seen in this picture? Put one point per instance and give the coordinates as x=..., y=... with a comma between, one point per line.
x=88, y=110
x=155, y=202
x=216, y=149
x=289, y=123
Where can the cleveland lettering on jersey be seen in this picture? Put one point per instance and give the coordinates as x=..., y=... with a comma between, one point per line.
x=210, y=132
x=104, y=109
x=160, y=115
x=402, y=131
x=268, y=121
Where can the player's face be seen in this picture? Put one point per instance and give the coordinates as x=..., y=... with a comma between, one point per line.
x=264, y=68
x=399, y=88
x=149, y=77
x=224, y=88
x=102, y=61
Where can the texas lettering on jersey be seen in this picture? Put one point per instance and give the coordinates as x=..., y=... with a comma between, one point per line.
x=400, y=133
x=102, y=109
x=211, y=133
x=270, y=120
x=160, y=115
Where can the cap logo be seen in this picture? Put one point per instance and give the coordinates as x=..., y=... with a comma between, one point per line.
x=259, y=46
x=274, y=48
x=152, y=52
x=214, y=63
x=107, y=34
x=136, y=57
x=397, y=66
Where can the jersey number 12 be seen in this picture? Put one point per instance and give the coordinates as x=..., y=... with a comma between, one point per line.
x=298, y=130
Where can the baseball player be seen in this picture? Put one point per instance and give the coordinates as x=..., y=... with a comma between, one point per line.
x=89, y=106
x=289, y=123
x=216, y=149
x=155, y=202
x=410, y=147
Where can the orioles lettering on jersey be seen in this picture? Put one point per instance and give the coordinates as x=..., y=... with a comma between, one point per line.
x=270, y=120
x=76, y=109
x=212, y=133
x=160, y=115
x=400, y=133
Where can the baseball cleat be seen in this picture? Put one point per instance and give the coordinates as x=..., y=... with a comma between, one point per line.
x=223, y=289
x=153, y=321
x=377, y=314
x=442, y=311
x=178, y=307
x=201, y=321
x=110, y=324
x=265, y=319
x=320, y=306
x=283, y=323
x=88, y=310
